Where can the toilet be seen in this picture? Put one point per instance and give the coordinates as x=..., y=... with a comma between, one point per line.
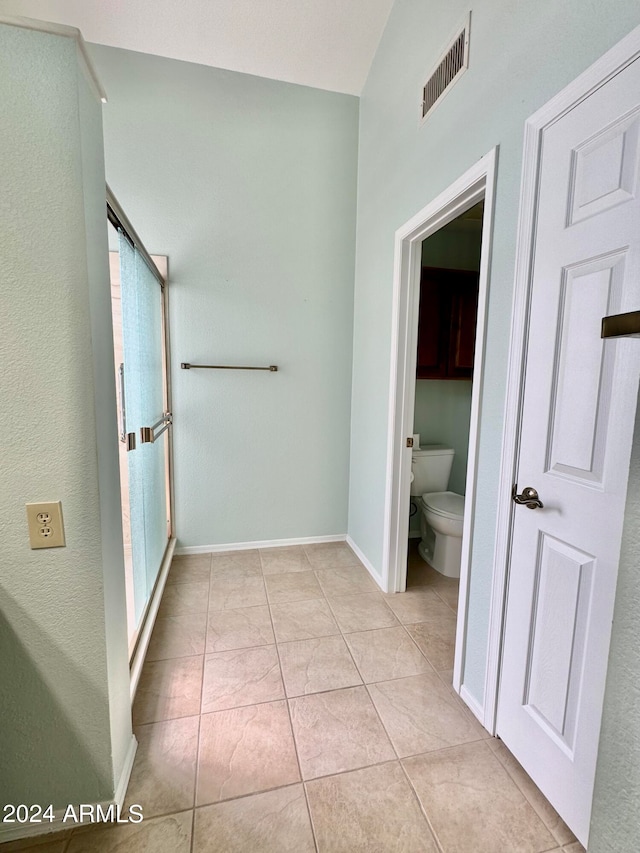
x=442, y=512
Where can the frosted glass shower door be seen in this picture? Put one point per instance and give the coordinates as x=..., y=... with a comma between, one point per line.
x=145, y=398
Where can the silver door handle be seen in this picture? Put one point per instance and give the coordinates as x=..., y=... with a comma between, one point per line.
x=123, y=415
x=528, y=498
x=149, y=434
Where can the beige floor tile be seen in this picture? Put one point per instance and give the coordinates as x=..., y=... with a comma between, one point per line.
x=163, y=778
x=241, y=677
x=303, y=620
x=437, y=639
x=178, y=636
x=190, y=568
x=230, y=592
x=324, y=663
x=236, y=564
x=385, y=654
x=245, y=750
x=273, y=822
x=330, y=555
x=467, y=794
x=171, y=834
x=292, y=586
x=362, y=612
x=36, y=844
x=168, y=689
x=576, y=847
x=241, y=628
x=181, y=598
x=278, y=560
x=338, y=731
x=449, y=593
x=372, y=810
x=345, y=580
x=417, y=605
x=420, y=714
x=542, y=807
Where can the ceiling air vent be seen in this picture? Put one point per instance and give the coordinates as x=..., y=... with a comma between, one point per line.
x=452, y=64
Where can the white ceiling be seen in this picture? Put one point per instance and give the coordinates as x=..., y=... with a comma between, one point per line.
x=328, y=44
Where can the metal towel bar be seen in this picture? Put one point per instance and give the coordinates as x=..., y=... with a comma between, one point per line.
x=185, y=365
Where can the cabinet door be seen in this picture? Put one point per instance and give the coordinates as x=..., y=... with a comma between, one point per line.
x=464, y=311
x=433, y=333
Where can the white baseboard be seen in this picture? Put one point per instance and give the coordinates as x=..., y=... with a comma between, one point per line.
x=35, y=830
x=365, y=562
x=265, y=543
x=473, y=704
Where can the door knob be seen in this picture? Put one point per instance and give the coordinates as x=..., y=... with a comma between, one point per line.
x=528, y=498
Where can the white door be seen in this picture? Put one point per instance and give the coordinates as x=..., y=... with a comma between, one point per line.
x=575, y=439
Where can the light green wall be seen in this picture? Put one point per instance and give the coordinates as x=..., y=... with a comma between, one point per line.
x=64, y=705
x=521, y=54
x=456, y=246
x=248, y=185
x=442, y=412
x=615, y=822
x=443, y=407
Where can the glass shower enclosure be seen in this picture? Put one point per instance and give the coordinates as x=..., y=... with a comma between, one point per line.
x=139, y=303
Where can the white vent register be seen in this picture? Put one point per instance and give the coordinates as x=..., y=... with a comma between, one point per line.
x=452, y=64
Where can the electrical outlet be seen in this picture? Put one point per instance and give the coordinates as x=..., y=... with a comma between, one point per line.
x=46, y=529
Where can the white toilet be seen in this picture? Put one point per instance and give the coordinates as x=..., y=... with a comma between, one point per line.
x=442, y=512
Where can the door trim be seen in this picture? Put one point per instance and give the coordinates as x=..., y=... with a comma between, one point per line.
x=611, y=63
x=476, y=184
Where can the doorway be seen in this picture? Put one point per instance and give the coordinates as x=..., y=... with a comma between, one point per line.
x=474, y=187
x=447, y=317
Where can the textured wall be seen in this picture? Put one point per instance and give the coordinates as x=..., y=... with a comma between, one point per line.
x=248, y=185
x=63, y=673
x=521, y=55
x=615, y=821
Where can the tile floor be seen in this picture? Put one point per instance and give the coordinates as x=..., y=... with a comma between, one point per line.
x=288, y=705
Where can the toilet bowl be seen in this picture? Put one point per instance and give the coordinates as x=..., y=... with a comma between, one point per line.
x=442, y=518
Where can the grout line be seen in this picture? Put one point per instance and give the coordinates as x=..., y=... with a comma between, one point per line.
x=197, y=767
x=408, y=633
x=313, y=827
x=293, y=736
x=384, y=728
x=514, y=778
x=422, y=809
x=446, y=603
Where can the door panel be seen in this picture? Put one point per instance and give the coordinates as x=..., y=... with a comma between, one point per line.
x=575, y=439
x=145, y=394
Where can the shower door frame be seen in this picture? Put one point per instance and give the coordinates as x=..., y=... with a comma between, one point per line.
x=120, y=222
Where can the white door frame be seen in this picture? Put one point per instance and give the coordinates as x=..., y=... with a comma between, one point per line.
x=476, y=184
x=614, y=61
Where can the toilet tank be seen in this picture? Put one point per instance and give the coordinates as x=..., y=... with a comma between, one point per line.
x=431, y=467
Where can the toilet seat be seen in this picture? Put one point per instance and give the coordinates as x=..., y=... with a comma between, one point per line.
x=445, y=504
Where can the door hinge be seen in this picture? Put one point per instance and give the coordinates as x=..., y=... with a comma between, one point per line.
x=410, y=441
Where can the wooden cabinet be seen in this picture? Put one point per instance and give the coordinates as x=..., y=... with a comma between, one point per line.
x=447, y=323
